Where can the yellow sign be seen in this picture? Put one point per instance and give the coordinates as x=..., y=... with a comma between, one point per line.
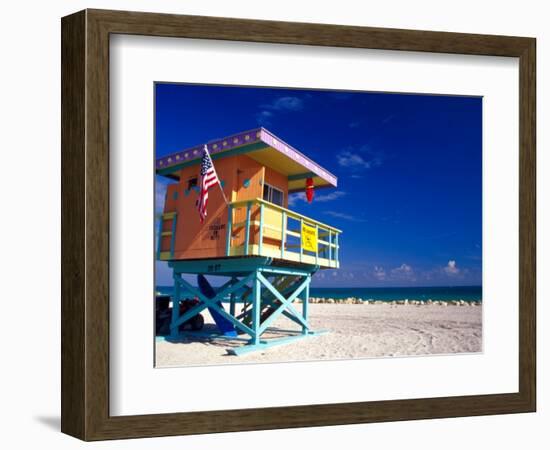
x=309, y=238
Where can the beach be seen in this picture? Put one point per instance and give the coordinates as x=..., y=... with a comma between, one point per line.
x=356, y=329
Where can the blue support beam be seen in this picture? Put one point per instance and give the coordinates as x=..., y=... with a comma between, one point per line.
x=261, y=230
x=336, y=250
x=283, y=234
x=329, y=247
x=213, y=303
x=286, y=303
x=288, y=270
x=229, y=230
x=247, y=230
x=271, y=287
x=305, y=305
x=232, y=299
x=256, y=307
x=220, y=266
x=175, y=306
x=159, y=239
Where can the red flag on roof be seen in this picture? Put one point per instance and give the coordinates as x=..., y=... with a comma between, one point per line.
x=309, y=190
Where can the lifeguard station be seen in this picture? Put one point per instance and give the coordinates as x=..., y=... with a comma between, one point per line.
x=268, y=252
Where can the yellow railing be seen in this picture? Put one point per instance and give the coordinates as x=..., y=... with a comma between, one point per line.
x=270, y=230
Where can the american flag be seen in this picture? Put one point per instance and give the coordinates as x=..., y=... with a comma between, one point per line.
x=208, y=178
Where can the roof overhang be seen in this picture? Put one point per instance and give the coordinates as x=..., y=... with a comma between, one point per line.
x=262, y=146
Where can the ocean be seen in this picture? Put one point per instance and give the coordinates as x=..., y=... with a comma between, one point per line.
x=445, y=293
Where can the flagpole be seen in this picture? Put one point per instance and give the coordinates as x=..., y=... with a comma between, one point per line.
x=218, y=178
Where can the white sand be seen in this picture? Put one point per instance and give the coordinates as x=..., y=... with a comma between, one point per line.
x=355, y=331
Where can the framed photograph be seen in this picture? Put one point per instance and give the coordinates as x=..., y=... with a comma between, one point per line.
x=272, y=225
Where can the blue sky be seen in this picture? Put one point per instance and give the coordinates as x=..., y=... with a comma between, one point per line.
x=409, y=172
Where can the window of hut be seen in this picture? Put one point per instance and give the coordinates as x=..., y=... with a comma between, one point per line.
x=273, y=195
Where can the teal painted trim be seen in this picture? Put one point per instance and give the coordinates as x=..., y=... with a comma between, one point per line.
x=229, y=287
x=183, y=336
x=290, y=288
x=213, y=304
x=247, y=232
x=186, y=316
x=256, y=307
x=232, y=266
x=284, y=313
x=173, y=237
x=222, y=183
x=286, y=303
x=236, y=151
x=267, y=301
x=267, y=323
x=159, y=238
x=305, y=305
x=231, y=282
x=175, y=195
x=301, y=176
x=175, y=306
x=336, y=252
x=196, y=309
x=232, y=301
x=261, y=230
x=291, y=317
x=177, y=320
x=289, y=270
x=229, y=230
x=283, y=234
x=329, y=247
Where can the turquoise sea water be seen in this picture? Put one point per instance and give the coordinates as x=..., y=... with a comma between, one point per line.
x=446, y=293
x=469, y=293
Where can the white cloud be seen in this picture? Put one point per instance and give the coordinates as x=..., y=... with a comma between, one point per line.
x=281, y=104
x=294, y=198
x=355, y=161
x=329, y=197
x=403, y=268
x=263, y=117
x=404, y=272
x=285, y=104
x=359, y=158
x=349, y=159
x=451, y=268
x=340, y=215
x=379, y=273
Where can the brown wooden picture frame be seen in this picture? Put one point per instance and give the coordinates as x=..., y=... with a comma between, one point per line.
x=85, y=224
